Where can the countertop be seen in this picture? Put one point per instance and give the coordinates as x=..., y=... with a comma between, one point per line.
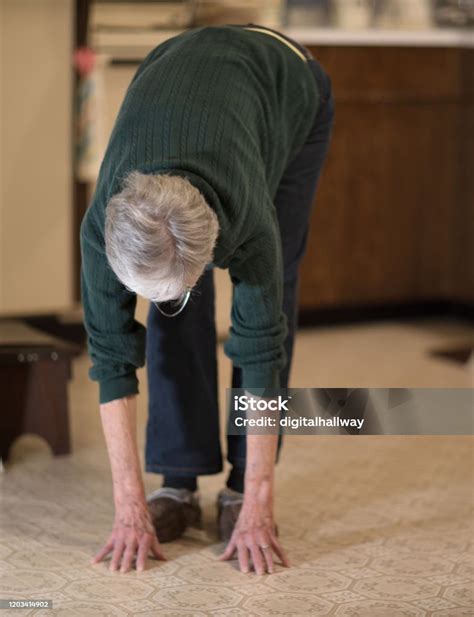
x=134, y=45
x=429, y=37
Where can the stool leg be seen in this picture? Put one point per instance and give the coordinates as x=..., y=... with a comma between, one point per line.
x=34, y=399
x=13, y=391
x=46, y=409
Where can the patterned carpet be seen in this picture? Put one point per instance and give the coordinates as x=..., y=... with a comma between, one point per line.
x=375, y=526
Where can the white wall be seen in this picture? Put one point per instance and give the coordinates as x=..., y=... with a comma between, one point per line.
x=35, y=156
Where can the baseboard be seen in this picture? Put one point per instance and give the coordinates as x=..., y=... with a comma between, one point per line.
x=403, y=310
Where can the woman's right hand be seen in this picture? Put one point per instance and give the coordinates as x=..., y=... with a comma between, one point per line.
x=132, y=539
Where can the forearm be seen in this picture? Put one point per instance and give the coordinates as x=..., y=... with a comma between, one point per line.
x=119, y=424
x=260, y=466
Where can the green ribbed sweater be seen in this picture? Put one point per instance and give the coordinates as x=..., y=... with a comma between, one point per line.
x=227, y=108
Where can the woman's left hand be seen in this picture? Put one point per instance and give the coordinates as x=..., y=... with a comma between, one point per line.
x=255, y=535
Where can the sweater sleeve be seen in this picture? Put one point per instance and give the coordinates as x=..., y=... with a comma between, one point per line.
x=258, y=324
x=116, y=341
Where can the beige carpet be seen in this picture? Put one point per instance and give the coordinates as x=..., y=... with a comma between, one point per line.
x=375, y=526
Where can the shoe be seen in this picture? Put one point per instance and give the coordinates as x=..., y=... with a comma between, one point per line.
x=229, y=504
x=172, y=511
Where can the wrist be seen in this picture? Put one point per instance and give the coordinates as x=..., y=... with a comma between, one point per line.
x=255, y=476
x=125, y=493
x=259, y=487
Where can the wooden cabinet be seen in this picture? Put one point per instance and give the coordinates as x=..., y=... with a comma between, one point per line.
x=393, y=219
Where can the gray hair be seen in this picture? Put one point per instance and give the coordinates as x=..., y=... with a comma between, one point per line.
x=160, y=234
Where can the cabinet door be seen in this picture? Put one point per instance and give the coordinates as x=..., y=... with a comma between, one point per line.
x=35, y=156
x=384, y=225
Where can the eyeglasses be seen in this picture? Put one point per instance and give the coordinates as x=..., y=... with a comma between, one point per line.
x=173, y=307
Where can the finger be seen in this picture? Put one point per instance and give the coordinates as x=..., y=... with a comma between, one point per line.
x=156, y=550
x=243, y=554
x=117, y=554
x=267, y=554
x=265, y=546
x=128, y=556
x=279, y=551
x=229, y=551
x=257, y=558
x=143, y=550
x=104, y=551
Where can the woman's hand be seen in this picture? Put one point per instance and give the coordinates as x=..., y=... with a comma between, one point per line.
x=133, y=538
x=255, y=535
x=133, y=535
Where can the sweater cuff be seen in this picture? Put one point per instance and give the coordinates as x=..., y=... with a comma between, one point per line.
x=261, y=382
x=118, y=387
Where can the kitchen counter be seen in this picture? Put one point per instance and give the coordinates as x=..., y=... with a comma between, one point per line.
x=429, y=37
x=134, y=45
x=393, y=221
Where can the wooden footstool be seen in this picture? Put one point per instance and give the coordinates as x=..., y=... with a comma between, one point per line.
x=34, y=372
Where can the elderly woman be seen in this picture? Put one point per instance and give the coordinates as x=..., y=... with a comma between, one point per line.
x=213, y=162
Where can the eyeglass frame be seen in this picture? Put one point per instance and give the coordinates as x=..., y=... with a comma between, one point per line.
x=180, y=309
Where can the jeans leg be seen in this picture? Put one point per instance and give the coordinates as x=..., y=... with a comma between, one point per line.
x=294, y=201
x=183, y=418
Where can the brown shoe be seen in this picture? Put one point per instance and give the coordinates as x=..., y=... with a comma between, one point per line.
x=229, y=504
x=172, y=511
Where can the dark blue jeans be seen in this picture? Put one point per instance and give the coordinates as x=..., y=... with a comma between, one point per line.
x=183, y=421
